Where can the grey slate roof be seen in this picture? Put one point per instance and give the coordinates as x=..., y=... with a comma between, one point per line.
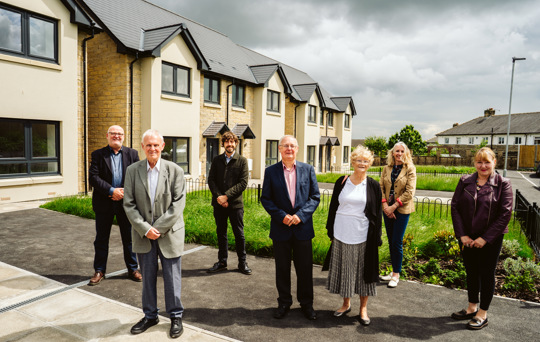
x=343, y=102
x=243, y=130
x=305, y=91
x=140, y=25
x=524, y=123
x=214, y=128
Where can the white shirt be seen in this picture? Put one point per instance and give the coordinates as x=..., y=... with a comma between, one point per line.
x=351, y=224
x=153, y=175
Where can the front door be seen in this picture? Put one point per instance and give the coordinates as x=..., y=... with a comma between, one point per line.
x=212, y=151
x=320, y=157
x=328, y=158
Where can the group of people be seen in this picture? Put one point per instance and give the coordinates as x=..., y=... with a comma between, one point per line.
x=148, y=198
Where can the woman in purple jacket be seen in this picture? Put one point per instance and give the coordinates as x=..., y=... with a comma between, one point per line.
x=481, y=210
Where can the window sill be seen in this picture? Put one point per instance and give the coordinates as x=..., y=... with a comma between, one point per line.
x=347, y=129
x=32, y=62
x=30, y=181
x=312, y=124
x=212, y=105
x=176, y=98
x=273, y=113
x=239, y=109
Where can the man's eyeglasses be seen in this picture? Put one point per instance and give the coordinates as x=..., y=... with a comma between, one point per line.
x=115, y=133
x=288, y=146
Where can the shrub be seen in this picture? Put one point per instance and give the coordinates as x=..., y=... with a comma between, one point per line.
x=510, y=248
x=455, y=277
x=517, y=267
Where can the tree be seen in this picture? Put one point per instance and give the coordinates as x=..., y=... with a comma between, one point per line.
x=377, y=145
x=411, y=137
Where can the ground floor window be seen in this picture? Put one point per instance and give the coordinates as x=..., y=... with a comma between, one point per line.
x=177, y=151
x=271, y=152
x=345, y=154
x=29, y=147
x=311, y=155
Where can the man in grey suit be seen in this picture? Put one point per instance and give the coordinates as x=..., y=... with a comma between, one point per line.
x=154, y=201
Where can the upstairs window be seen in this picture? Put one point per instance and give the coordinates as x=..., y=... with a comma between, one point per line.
x=501, y=140
x=471, y=141
x=175, y=80
x=211, y=90
x=330, y=119
x=28, y=35
x=321, y=122
x=446, y=140
x=272, y=102
x=347, y=122
x=238, y=95
x=458, y=140
x=517, y=141
x=312, y=116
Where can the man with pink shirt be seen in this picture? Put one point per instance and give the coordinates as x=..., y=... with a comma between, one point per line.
x=290, y=195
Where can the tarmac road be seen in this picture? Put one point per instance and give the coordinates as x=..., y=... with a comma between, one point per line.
x=59, y=247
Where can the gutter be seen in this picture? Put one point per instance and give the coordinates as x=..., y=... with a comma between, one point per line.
x=227, y=118
x=85, y=110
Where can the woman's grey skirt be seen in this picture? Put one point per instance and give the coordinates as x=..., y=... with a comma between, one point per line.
x=346, y=273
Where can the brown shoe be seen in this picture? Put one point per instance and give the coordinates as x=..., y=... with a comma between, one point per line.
x=97, y=278
x=135, y=276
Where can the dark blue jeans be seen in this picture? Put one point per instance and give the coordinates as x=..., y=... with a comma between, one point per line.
x=395, y=230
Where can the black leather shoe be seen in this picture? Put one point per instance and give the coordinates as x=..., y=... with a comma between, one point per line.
x=281, y=311
x=243, y=268
x=218, y=267
x=309, y=313
x=341, y=313
x=143, y=325
x=364, y=322
x=477, y=323
x=176, y=327
x=462, y=315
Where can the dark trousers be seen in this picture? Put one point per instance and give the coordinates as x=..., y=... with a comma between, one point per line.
x=301, y=253
x=395, y=231
x=172, y=282
x=480, y=264
x=104, y=222
x=236, y=216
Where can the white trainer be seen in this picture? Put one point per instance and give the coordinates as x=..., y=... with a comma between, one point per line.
x=386, y=277
x=393, y=282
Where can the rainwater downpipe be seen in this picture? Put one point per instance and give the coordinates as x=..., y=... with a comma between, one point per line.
x=85, y=111
x=131, y=99
x=227, y=119
x=298, y=105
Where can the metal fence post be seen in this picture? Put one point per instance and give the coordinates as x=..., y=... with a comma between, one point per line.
x=258, y=193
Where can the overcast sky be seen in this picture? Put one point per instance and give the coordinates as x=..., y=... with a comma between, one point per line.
x=429, y=63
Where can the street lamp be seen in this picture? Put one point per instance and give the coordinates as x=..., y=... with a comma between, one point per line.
x=514, y=59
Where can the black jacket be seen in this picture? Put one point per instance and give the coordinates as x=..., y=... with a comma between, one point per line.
x=229, y=179
x=101, y=175
x=373, y=212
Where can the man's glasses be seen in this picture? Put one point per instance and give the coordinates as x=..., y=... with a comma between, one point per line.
x=115, y=133
x=288, y=146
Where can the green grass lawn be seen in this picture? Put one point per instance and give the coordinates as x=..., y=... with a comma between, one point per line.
x=200, y=225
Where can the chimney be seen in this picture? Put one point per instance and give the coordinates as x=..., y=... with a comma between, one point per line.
x=454, y=125
x=489, y=112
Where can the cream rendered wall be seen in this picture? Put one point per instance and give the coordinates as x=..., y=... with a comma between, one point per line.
x=308, y=132
x=173, y=116
x=44, y=91
x=266, y=125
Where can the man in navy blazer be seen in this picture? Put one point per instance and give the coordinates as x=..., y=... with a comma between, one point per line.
x=290, y=195
x=107, y=173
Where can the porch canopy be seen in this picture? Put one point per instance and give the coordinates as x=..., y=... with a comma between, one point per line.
x=214, y=129
x=331, y=141
x=243, y=130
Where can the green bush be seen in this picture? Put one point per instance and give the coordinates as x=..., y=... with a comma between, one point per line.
x=455, y=277
x=522, y=283
x=510, y=248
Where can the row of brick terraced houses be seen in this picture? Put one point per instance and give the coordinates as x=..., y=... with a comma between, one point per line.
x=72, y=68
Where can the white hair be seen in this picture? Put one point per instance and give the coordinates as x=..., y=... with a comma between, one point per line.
x=152, y=132
x=288, y=136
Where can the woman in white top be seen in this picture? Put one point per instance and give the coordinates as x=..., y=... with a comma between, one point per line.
x=354, y=226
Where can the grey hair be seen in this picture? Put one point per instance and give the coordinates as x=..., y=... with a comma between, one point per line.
x=288, y=136
x=152, y=132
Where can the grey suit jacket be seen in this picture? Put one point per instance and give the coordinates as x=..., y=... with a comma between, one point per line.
x=169, y=204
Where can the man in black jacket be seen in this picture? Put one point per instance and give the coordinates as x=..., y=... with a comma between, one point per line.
x=227, y=180
x=107, y=173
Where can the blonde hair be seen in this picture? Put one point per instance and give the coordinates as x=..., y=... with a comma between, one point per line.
x=407, y=158
x=361, y=151
x=485, y=154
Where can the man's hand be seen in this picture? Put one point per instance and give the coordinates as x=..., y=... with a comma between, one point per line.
x=153, y=234
x=221, y=200
x=118, y=194
x=289, y=220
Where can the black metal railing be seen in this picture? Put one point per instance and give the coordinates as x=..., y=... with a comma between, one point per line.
x=529, y=216
x=435, y=207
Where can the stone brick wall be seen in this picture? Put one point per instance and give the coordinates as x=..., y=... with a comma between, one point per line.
x=109, y=93
x=80, y=114
x=289, y=117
